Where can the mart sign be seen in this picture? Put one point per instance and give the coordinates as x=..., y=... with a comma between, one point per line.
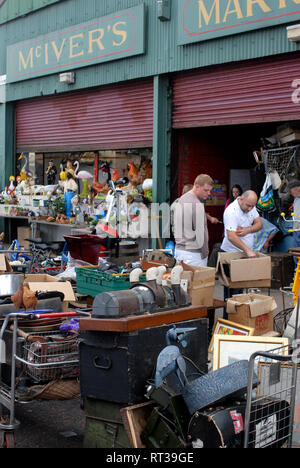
x=200, y=20
x=112, y=37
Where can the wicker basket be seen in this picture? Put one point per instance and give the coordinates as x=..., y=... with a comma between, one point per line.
x=63, y=389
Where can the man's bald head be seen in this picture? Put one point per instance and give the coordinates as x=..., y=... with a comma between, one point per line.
x=247, y=201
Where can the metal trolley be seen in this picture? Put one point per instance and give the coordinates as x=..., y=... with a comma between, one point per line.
x=271, y=395
x=41, y=358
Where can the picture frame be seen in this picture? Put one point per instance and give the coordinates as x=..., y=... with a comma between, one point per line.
x=228, y=349
x=226, y=327
x=135, y=420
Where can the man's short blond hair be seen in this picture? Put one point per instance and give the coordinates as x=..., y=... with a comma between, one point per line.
x=203, y=179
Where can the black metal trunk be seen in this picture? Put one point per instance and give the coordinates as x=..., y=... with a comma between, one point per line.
x=116, y=366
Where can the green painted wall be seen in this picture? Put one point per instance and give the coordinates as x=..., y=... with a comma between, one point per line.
x=162, y=53
x=11, y=9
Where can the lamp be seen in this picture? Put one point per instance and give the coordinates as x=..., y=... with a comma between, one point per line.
x=163, y=10
x=68, y=77
x=293, y=33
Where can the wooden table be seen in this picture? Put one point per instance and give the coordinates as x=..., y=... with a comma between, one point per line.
x=137, y=322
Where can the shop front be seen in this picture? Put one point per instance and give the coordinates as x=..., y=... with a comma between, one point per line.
x=187, y=87
x=106, y=131
x=225, y=114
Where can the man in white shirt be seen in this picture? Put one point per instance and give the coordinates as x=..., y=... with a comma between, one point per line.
x=241, y=221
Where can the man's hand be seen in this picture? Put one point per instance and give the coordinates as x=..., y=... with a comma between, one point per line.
x=250, y=253
x=213, y=220
x=243, y=231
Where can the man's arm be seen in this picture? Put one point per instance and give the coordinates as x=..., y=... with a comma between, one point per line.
x=212, y=219
x=237, y=242
x=256, y=226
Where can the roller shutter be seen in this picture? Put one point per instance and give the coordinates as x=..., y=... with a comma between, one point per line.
x=240, y=93
x=110, y=117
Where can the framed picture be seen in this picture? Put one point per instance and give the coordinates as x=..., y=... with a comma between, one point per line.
x=225, y=327
x=228, y=349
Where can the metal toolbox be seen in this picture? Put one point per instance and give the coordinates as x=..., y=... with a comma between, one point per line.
x=104, y=425
x=116, y=366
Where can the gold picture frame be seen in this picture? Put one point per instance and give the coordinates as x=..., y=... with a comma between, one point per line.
x=228, y=349
x=228, y=328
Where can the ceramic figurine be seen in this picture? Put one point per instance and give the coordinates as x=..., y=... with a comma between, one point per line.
x=77, y=210
x=68, y=197
x=11, y=188
x=51, y=173
x=23, y=171
x=18, y=190
x=62, y=177
x=69, y=167
x=70, y=184
x=84, y=176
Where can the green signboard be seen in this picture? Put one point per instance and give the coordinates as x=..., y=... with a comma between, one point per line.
x=112, y=37
x=11, y=9
x=200, y=20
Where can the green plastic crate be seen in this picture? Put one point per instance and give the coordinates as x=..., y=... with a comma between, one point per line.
x=90, y=281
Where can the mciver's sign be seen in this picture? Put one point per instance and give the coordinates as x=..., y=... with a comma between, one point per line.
x=102, y=39
x=200, y=20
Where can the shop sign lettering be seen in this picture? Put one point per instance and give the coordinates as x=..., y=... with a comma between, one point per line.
x=104, y=39
x=200, y=20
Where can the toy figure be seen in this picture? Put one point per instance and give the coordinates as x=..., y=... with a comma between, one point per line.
x=23, y=171
x=18, y=190
x=77, y=210
x=62, y=177
x=145, y=171
x=51, y=173
x=105, y=172
x=70, y=184
x=69, y=167
x=11, y=188
x=133, y=172
x=84, y=176
x=26, y=185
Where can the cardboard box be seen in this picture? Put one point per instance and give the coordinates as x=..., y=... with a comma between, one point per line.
x=252, y=310
x=49, y=283
x=235, y=270
x=25, y=232
x=201, y=284
x=39, y=278
x=4, y=264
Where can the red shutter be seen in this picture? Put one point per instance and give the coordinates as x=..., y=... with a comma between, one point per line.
x=246, y=92
x=110, y=117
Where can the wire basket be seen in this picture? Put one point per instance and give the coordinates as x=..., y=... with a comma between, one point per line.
x=270, y=404
x=52, y=356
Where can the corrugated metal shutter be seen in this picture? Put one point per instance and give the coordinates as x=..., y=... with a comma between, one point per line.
x=248, y=92
x=110, y=117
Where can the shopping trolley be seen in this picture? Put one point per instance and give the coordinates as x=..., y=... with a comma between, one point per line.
x=36, y=361
x=270, y=408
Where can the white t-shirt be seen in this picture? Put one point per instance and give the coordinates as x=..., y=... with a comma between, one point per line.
x=297, y=213
x=233, y=218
